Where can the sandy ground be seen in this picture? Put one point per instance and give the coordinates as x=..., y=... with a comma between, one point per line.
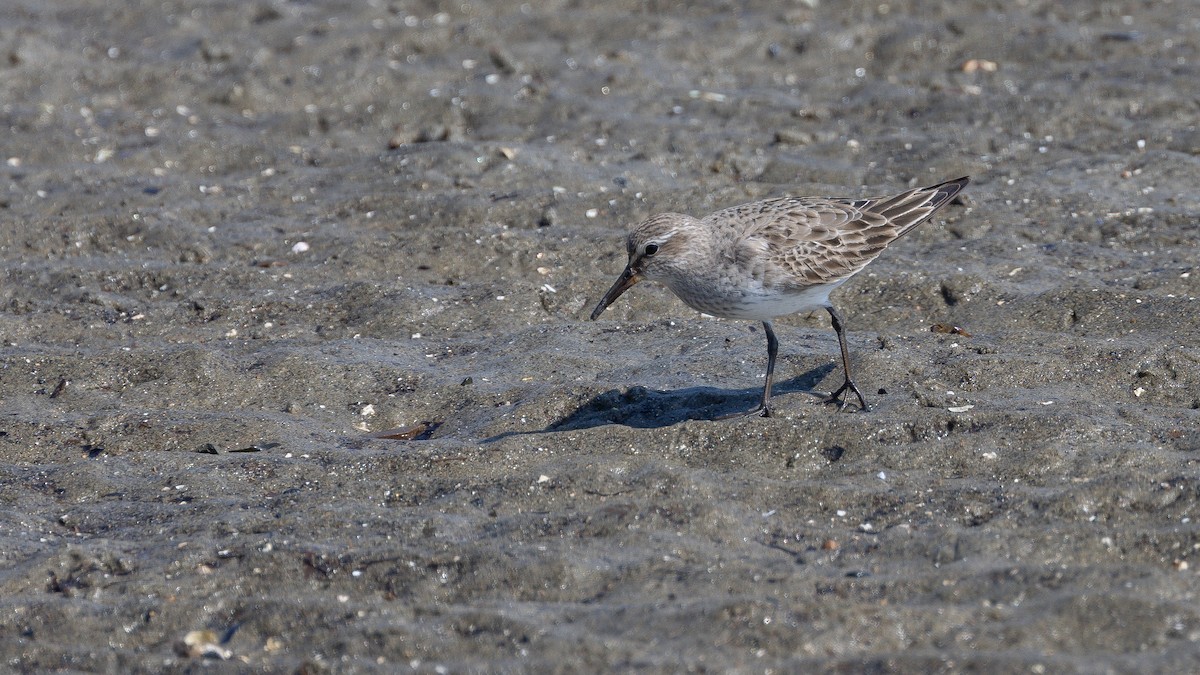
x=240, y=240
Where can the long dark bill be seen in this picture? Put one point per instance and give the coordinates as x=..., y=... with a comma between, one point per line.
x=625, y=282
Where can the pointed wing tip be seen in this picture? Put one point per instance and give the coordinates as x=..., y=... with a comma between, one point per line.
x=946, y=191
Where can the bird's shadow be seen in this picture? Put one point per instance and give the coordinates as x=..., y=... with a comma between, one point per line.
x=644, y=408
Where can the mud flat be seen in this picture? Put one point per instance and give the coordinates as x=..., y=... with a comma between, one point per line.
x=297, y=372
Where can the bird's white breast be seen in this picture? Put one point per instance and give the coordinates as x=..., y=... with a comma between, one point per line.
x=752, y=302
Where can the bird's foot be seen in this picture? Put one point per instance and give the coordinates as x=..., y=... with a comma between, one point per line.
x=842, y=401
x=760, y=410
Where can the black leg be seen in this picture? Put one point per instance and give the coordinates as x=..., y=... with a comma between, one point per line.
x=848, y=384
x=764, y=408
x=772, y=350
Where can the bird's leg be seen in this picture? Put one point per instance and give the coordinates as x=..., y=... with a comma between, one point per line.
x=764, y=408
x=848, y=384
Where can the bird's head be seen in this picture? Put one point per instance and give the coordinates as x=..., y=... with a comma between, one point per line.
x=655, y=247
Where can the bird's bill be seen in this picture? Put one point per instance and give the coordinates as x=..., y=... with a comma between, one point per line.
x=625, y=282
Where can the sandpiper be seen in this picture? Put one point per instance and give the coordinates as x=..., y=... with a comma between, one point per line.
x=774, y=257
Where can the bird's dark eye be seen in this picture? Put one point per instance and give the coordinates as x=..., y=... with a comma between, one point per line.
x=651, y=249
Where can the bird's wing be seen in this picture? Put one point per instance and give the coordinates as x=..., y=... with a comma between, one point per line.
x=800, y=242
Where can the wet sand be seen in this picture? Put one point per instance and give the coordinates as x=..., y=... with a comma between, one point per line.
x=296, y=358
